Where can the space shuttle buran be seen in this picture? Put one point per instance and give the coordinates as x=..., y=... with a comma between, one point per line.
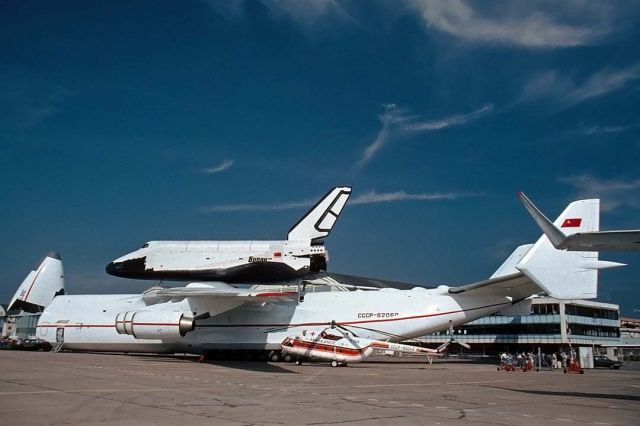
x=250, y=262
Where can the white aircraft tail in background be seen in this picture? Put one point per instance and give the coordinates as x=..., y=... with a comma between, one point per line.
x=40, y=286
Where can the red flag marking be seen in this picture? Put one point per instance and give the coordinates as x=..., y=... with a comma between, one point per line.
x=572, y=223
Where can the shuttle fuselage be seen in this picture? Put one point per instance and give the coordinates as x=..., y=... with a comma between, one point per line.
x=251, y=262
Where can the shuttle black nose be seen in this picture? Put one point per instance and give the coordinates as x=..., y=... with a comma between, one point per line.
x=130, y=268
x=113, y=268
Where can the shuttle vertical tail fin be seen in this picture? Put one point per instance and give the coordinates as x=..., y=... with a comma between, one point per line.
x=318, y=221
x=40, y=286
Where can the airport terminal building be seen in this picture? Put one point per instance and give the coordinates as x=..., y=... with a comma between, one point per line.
x=552, y=325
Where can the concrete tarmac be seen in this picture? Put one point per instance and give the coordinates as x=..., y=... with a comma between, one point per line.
x=40, y=388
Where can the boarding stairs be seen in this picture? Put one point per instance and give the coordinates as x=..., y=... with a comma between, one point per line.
x=57, y=346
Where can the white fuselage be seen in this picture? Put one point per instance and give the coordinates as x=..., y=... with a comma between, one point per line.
x=89, y=322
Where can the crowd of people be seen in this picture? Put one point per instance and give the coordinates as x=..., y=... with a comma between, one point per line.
x=554, y=360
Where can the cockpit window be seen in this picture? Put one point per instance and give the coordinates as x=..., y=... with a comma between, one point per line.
x=145, y=245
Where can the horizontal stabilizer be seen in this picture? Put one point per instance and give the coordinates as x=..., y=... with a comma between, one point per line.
x=509, y=265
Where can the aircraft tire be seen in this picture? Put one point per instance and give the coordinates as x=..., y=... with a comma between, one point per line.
x=287, y=358
x=334, y=363
x=274, y=356
x=298, y=362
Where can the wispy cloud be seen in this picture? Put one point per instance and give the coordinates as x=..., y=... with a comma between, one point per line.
x=36, y=109
x=599, y=129
x=521, y=24
x=550, y=85
x=225, y=165
x=309, y=13
x=230, y=208
x=614, y=193
x=398, y=121
x=229, y=9
x=603, y=82
x=371, y=197
x=306, y=14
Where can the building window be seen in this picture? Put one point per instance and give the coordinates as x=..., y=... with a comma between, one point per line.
x=591, y=312
x=545, y=309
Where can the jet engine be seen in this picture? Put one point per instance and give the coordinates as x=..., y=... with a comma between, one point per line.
x=154, y=325
x=318, y=262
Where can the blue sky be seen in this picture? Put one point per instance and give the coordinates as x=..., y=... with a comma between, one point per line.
x=124, y=122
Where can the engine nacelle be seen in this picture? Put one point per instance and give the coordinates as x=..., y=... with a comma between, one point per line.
x=154, y=325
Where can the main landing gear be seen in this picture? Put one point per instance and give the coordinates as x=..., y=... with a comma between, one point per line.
x=277, y=356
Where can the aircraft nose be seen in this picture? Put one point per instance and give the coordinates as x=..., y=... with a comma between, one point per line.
x=130, y=268
x=113, y=268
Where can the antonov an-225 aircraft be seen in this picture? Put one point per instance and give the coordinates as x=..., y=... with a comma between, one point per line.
x=204, y=317
x=302, y=253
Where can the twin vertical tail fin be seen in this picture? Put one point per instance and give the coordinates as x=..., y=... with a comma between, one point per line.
x=566, y=274
x=40, y=286
x=318, y=221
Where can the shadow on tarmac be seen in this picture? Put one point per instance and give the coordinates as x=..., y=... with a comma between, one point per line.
x=573, y=394
x=259, y=366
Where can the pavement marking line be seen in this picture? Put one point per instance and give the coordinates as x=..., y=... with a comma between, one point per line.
x=89, y=390
x=389, y=385
x=475, y=383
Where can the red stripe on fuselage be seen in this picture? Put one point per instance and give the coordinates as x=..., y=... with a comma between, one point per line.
x=311, y=324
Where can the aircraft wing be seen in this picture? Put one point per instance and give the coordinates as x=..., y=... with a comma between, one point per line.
x=625, y=240
x=357, y=282
x=218, y=290
x=516, y=285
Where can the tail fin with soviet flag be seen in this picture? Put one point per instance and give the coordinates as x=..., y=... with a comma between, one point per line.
x=566, y=274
